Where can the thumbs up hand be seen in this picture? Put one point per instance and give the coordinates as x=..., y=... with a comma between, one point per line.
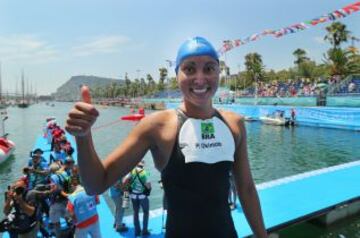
x=82, y=116
x=85, y=94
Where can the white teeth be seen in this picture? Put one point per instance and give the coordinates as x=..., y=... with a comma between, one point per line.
x=203, y=90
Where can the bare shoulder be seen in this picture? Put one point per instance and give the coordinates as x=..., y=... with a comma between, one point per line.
x=232, y=118
x=159, y=118
x=157, y=123
x=235, y=123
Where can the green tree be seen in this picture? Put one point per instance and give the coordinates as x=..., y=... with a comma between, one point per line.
x=127, y=86
x=151, y=85
x=300, y=56
x=338, y=61
x=254, y=67
x=143, y=88
x=306, y=69
x=163, y=76
x=337, y=34
x=173, y=83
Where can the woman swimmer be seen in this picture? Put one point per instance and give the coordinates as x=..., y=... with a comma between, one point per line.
x=194, y=148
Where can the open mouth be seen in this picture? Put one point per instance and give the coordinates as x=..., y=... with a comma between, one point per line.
x=200, y=90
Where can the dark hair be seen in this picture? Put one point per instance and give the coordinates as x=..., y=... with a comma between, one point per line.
x=36, y=151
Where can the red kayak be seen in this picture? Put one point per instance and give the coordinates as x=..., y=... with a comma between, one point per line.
x=133, y=117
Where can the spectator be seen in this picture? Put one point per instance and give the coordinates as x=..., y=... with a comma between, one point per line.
x=352, y=87
x=82, y=208
x=58, y=198
x=38, y=169
x=116, y=194
x=139, y=187
x=22, y=221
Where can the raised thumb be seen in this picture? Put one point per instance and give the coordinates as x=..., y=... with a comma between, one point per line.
x=85, y=94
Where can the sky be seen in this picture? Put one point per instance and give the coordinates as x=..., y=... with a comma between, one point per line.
x=55, y=40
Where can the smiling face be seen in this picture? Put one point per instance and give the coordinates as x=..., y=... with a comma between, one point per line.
x=198, y=79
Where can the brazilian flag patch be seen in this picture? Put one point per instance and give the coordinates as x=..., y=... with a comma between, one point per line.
x=207, y=130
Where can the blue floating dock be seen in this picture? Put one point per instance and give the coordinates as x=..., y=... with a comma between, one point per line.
x=290, y=200
x=284, y=201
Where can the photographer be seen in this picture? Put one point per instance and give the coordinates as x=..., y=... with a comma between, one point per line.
x=38, y=170
x=20, y=212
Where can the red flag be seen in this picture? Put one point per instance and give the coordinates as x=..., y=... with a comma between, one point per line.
x=352, y=8
x=238, y=42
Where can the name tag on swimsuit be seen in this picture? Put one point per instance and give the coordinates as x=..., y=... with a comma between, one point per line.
x=207, y=141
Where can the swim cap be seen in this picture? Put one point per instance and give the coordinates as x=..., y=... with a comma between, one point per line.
x=196, y=46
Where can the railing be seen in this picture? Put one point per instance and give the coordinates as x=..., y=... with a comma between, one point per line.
x=335, y=89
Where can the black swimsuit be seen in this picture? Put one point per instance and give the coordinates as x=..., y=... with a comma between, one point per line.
x=197, y=192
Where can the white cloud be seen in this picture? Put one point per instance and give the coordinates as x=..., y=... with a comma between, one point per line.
x=101, y=45
x=26, y=47
x=319, y=39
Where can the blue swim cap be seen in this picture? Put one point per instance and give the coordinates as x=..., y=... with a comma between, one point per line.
x=196, y=46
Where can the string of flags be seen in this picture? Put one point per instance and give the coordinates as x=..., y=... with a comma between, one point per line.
x=337, y=14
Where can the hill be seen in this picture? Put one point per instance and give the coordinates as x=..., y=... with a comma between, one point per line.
x=69, y=91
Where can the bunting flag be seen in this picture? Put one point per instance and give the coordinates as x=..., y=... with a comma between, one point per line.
x=337, y=14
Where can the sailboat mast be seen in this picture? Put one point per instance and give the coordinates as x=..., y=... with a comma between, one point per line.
x=22, y=86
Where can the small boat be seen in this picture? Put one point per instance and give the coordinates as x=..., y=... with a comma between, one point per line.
x=133, y=117
x=249, y=118
x=277, y=119
x=23, y=105
x=7, y=147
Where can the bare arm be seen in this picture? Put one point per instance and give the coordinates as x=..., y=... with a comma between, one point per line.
x=245, y=186
x=8, y=203
x=41, y=172
x=98, y=175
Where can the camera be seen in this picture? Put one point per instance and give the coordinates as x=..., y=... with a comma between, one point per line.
x=19, y=190
x=26, y=170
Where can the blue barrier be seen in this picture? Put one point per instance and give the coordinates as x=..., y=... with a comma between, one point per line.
x=328, y=117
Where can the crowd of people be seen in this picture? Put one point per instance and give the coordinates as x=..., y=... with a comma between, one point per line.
x=137, y=187
x=43, y=189
x=302, y=87
x=291, y=88
x=49, y=198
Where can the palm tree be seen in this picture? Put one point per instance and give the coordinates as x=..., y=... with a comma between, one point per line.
x=163, y=75
x=112, y=89
x=254, y=67
x=342, y=62
x=337, y=33
x=142, y=86
x=127, y=86
x=300, y=56
x=150, y=84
